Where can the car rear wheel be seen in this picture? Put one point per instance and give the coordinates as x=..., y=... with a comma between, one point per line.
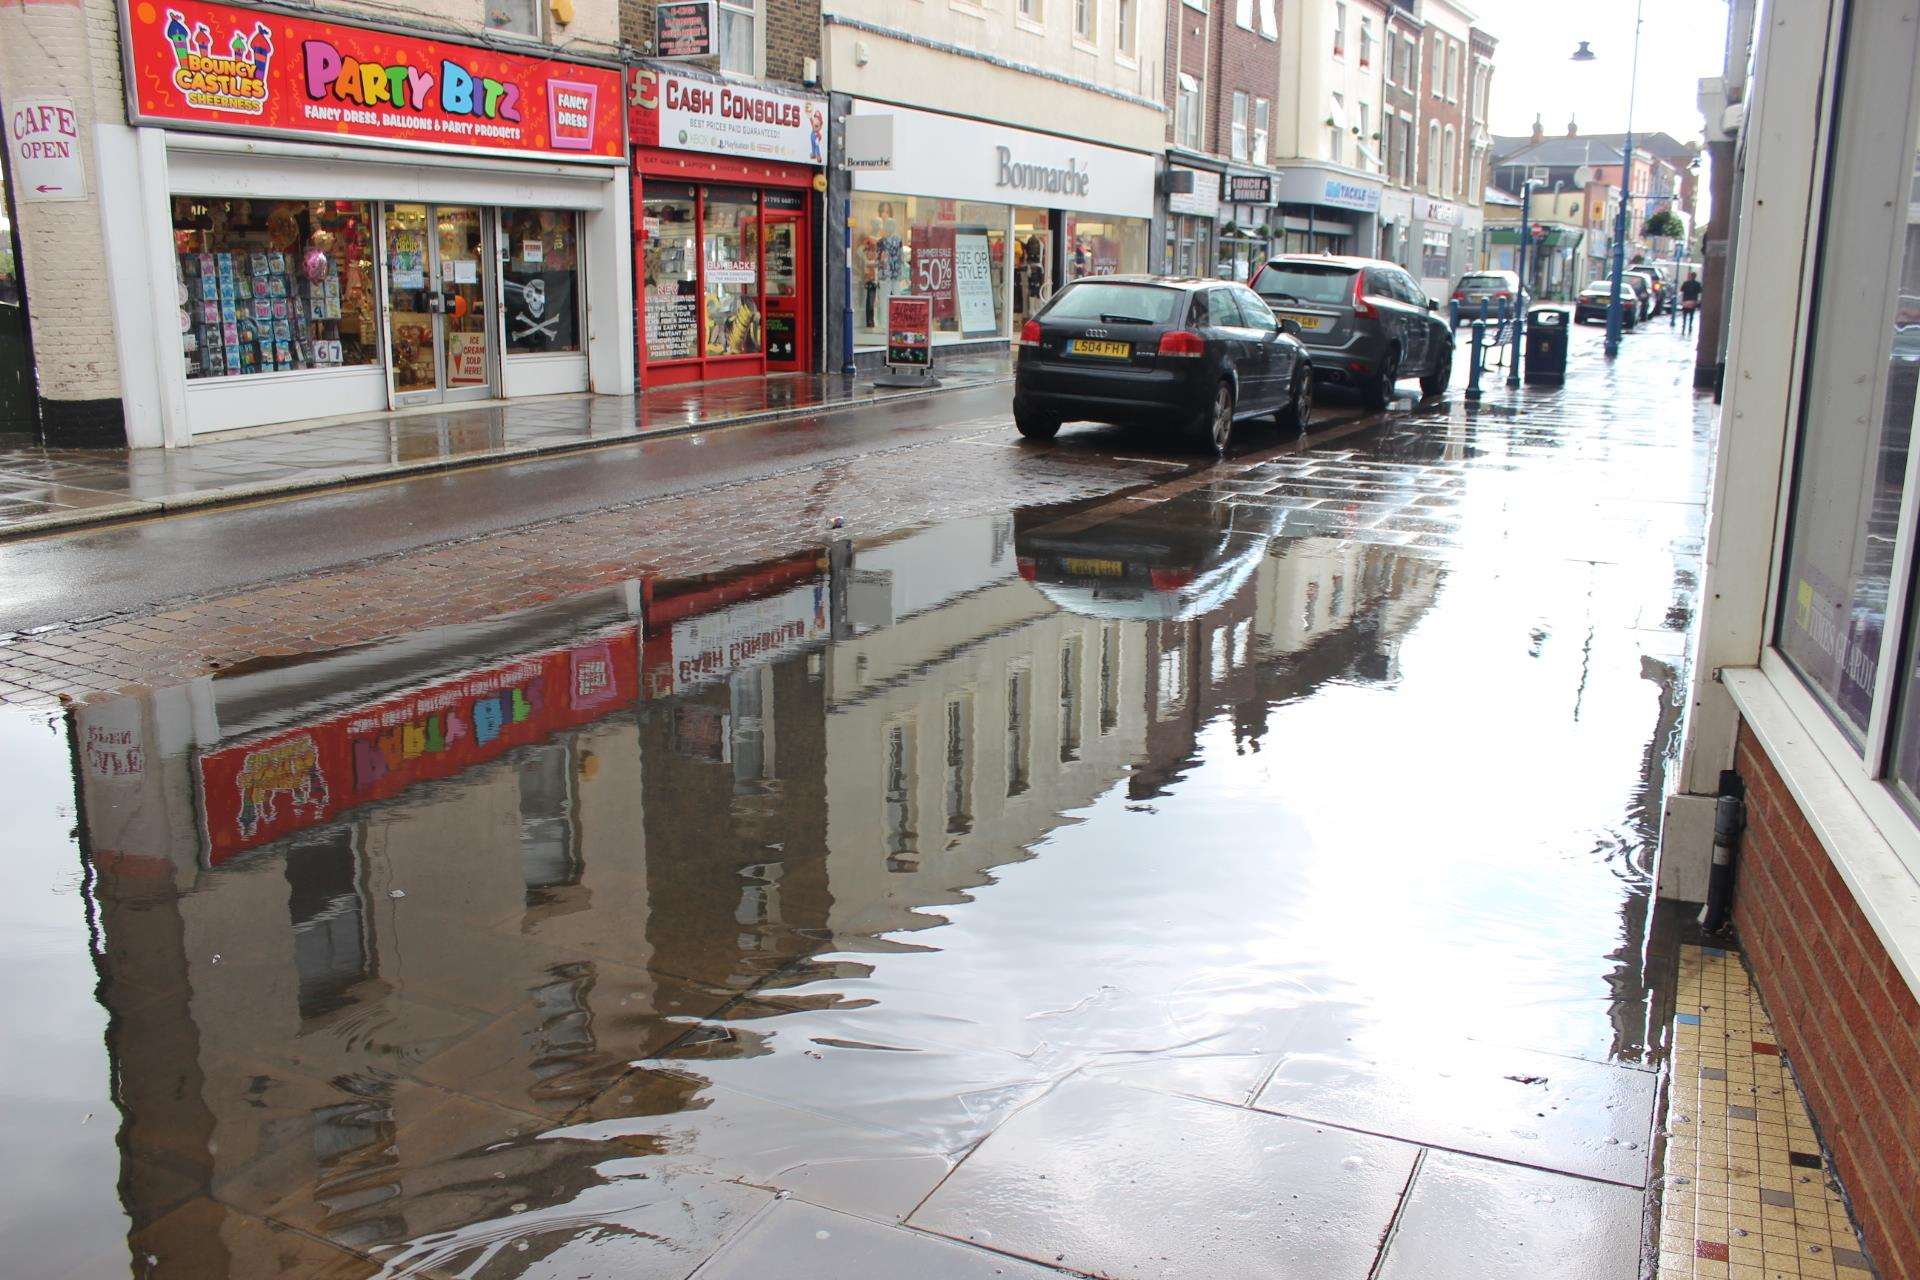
x=1214, y=426
x=1435, y=383
x=1380, y=390
x=1035, y=426
x=1299, y=410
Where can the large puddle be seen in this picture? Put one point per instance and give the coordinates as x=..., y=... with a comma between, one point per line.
x=557, y=946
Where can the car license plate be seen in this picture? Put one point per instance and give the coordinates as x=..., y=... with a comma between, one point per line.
x=1093, y=568
x=1098, y=347
x=1305, y=322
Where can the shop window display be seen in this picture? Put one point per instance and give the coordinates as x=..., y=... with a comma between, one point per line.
x=670, y=274
x=952, y=251
x=540, y=280
x=273, y=286
x=1105, y=246
x=730, y=231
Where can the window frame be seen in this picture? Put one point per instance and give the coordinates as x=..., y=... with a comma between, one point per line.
x=1439, y=56
x=1086, y=22
x=755, y=10
x=1433, y=157
x=1126, y=32
x=1189, y=130
x=1366, y=40
x=1262, y=131
x=1340, y=29
x=1239, y=133
x=542, y=20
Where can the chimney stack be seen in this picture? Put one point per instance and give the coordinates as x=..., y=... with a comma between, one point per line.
x=1539, y=130
x=1573, y=127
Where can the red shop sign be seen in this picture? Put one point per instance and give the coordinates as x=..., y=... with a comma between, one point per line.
x=271, y=786
x=220, y=66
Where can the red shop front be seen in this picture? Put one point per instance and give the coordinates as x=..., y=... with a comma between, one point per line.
x=725, y=178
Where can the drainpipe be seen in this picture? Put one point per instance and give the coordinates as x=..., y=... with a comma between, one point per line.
x=1729, y=819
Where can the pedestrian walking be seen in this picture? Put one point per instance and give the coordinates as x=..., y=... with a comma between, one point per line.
x=1689, y=301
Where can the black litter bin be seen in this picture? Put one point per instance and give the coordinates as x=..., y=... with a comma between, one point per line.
x=1547, y=328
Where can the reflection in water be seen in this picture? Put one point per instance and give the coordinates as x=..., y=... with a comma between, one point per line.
x=550, y=958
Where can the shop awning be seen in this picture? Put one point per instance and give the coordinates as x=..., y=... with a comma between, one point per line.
x=1555, y=238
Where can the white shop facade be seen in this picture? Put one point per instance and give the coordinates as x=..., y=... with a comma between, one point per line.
x=986, y=220
x=311, y=219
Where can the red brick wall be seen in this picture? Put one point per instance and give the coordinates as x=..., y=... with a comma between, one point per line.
x=1847, y=1021
x=1447, y=113
x=1244, y=61
x=1189, y=33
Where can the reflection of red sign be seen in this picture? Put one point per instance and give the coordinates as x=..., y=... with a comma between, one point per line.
x=283, y=782
x=247, y=70
x=910, y=331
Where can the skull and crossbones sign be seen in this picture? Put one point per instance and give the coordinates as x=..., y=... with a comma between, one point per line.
x=527, y=322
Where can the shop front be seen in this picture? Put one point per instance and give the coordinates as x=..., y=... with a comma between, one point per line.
x=341, y=219
x=1246, y=235
x=726, y=183
x=987, y=221
x=1323, y=209
x=1443, y=242
x=1192, y=220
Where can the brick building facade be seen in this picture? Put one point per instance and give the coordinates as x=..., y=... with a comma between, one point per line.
x=1400, y=142
x=792, y=38
x=1222, y=77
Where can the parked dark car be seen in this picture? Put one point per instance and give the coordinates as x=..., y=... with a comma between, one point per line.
x=1148, y=350
x=1591, y=305
x=1498, y=289
x=1365, y=322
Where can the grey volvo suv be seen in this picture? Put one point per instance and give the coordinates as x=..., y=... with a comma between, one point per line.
x=1366, y=323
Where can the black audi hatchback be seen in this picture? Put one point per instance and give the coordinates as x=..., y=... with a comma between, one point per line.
x=1192, y=355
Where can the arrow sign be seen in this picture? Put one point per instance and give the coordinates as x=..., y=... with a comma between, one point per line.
x=43, y=145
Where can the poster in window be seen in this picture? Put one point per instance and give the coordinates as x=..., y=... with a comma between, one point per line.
x=973, y=282
x=782, y=338
x=541, y=314
x=673, y=322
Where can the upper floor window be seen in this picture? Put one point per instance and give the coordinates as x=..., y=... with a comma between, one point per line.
x=1032, y=10
x=1339, y=29
x=516, y=17
x=1260, y=130
x=1337, y=129
x=1084, y=18
x=1402, y=60
x=1240, y=113
x=1366, y=41
x=1123, y=27
x=1243, y=14
x=1433, y=157
x=739, y=36
x=1448, y=162
x=1186, y=122
x=1453, y=73
x=1437, y=79
x=1365, y=146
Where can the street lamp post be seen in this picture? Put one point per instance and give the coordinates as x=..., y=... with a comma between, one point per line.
x=1520, y=299
x=1584, y=54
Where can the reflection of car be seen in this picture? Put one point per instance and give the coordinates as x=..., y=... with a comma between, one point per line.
x=1497, y=289
x=1198, y=354
x=1365, y=322
x=1592, y=304
x=1143, y=566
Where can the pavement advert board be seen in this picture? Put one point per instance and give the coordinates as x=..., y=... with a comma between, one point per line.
x=256, y=791
x=252, y=71
x=910, y=332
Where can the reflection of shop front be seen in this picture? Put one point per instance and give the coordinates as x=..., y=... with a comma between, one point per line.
x=1323, y=209
x=725, y=176
x=987, y=221
x=312, y=278
x=1246, y=235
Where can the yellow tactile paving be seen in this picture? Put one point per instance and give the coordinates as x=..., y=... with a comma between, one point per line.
x=1747, y=1193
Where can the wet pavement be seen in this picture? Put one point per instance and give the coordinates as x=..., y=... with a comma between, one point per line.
x=42, y=487
x=1235, y=870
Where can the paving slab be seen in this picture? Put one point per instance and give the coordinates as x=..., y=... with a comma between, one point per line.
x=1565, y=1114
x=1127, y=1184
x=1473, y=1219
x=794, y=1240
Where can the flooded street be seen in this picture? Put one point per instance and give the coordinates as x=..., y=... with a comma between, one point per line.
x=1246, y=874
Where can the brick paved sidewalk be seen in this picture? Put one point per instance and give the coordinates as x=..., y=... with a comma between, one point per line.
x=42, y=488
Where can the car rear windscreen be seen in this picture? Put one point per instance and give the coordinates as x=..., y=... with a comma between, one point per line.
x=1301, y=282
x=1115, y=303
x=1483, y=282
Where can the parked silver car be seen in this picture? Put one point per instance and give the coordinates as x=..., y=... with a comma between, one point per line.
x=1366, y=323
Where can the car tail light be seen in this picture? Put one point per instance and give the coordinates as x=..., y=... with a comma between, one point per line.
x=1182, y=342
x=1503, y=295
x=1169, y=579
x=1361, y=307
x=1030, y=334
x=1028, y=569
x=1460, y=295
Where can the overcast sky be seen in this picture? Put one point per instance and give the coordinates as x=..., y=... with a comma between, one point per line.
x=1680, y=41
